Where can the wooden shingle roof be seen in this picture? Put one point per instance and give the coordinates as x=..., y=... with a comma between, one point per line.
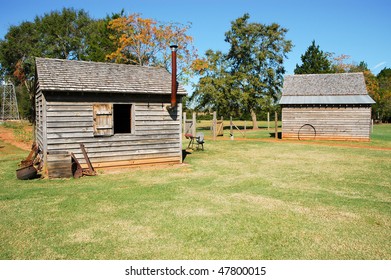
x=341, y=88
x=71, y=75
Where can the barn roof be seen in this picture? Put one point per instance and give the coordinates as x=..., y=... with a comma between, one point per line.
x=71, y=75
x=342, y=88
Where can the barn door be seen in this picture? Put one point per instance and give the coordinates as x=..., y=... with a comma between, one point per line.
x=103, y=119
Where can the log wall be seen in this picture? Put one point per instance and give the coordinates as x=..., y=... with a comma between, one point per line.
x=155, y=138
x=328, y=123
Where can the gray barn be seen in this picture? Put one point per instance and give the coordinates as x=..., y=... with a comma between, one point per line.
x=120, y=113
x=326, y=106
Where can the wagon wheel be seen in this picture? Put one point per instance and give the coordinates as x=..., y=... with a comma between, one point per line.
x=306, y=132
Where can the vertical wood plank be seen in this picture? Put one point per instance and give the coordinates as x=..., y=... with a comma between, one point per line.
x=214, y=125
x=184, y=122
x=275, y=125
x=231, y=132
x=194, y=127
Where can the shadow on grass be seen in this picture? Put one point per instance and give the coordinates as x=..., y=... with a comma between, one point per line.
x=273, y=134
x=184, y=154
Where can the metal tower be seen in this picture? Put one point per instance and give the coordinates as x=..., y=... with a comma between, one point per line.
x=9, y=108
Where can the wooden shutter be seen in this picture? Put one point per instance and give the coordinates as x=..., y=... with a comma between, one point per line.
x=103, y=119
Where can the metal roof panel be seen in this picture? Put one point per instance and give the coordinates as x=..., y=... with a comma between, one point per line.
x=331, y=99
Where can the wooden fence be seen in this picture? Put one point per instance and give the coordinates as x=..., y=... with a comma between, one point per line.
x=217, y=126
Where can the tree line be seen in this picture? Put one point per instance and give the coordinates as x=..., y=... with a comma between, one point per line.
x=244, y=82
x=73, y=34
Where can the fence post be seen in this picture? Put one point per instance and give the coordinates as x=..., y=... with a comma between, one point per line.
x=268, y=121
x=194, y=126
x=275, y=125
x=184, y=122
x=372, y=125
x=245, y=129
x=231, y=132
x=214, y=125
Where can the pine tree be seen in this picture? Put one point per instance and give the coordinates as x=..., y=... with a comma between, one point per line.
x=314, y=61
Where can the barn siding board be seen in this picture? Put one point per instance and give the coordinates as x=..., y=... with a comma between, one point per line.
x=74, y=113
x=115, y=139
x=69, y=129
x=39, y=119
x=118, y=160
x=68, y=124
x=136, y=162
x=70, y=107
x=114, y=145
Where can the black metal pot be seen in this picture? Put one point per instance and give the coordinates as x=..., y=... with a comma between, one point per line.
x=26, y=173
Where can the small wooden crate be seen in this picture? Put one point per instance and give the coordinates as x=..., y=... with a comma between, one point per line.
x=59, y=164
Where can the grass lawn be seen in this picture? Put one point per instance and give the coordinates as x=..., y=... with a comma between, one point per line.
x=235, y=200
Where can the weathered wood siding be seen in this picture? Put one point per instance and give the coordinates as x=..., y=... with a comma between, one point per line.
x=329, y=123
x=59, y=164
x=155, y=138
x=39, y=119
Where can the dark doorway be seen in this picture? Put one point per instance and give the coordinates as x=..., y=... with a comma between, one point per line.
x=122, y=118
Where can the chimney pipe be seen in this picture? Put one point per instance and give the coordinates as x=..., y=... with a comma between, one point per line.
x=173, y=76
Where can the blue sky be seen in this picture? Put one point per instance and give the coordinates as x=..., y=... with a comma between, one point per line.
x=361, y=29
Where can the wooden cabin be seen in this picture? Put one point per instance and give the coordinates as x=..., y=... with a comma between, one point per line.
x=326, y=106
x=121, y=113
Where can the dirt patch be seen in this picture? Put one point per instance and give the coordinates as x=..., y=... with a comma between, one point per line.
x=8, y=136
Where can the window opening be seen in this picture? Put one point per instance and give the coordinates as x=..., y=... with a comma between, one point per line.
x=122, y=118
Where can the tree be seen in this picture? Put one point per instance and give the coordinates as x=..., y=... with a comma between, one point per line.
x=383, y=104
x=98, y=41
x=215, y=89
x=17, y=52
x=62, y=34
x=374, y=85
x=144, y=41
x=256, y=56
x=314, y=61
x=58, y=34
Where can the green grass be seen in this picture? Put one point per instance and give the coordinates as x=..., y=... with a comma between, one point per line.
x=235, y=200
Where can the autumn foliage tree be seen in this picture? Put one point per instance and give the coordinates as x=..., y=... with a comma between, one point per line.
x=145, y=41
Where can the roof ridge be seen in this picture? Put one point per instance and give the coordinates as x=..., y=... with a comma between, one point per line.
x=325, y=74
